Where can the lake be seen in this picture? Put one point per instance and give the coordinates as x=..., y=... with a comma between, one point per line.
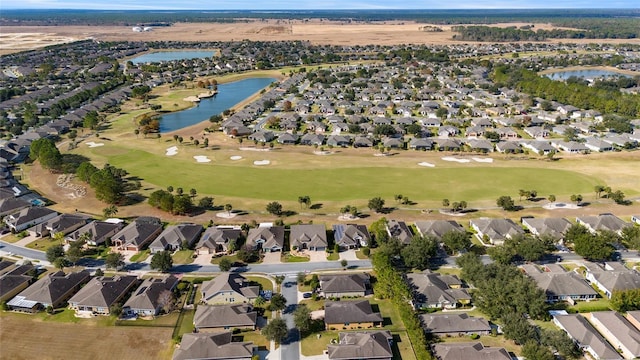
x=585, y=74
x=228, y=96
x=172, y=55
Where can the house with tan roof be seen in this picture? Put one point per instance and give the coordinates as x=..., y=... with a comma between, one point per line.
x=174, y=236
x=559, y=284
x=228, y=288
x=218, y=346
x=53, y=290
x=436, y=291
x=470, y=350
x=215, y=318
x=374, y=345
x=309, y=236
x=216, y=240
x=266, y=237
x=97, y=297
x=137, y=235
x=618, y=331
x=346, y=315
x=495, y=230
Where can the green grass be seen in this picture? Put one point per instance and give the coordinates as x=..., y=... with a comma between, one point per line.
x=286, y=257
x=333, y=256
x=11, y=238
x=590, y=306
x=186, y=326
x=313, y=305
x=253, y=336
x=361, y=256
x=168, y=320
x=265, y=284
x=216, y=259
x=331, y=184
x=183, y=257
x=312, y=345
x=140, y=256
x=42, y=244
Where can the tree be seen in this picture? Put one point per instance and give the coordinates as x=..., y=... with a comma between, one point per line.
x=45, y=150
x=274, y=208
x=166, y=300
x=376, y=204
x=552, y=198
x=193, y=192
x=278, y=302
x=278, y=279
x=228, y=208
x=182, y=204
x=114, y=260
x=99, y=272
x=344, y=263
x=302, y=318
x=559, y=340
x=419, y=251
x=300, y=278
x=55, y=252
x=502, y=255
x=206, y=202
x=517, y=328
x=456, y=241
x=506, y=202
x=445, y=203
x=107, y=185
x=631, y=237
x=534, y=351
x=593, y=247
x=599, y=189
x=109, y=211
x=276, y=330
x=225, y=264
x=161, y=261
x=577, y=198
x=627, y=300
x=75, y=251
x=85, y=170
x=398, y=197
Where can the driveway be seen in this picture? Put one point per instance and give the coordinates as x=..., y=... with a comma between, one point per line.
x=348, y=255
x=271, y=258
x=203, y=259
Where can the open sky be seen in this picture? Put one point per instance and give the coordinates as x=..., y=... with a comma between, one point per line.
x=311, y=4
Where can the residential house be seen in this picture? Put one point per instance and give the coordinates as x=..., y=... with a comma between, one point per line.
x=149, y=299
x=312, y=139
x=101, y=293
x=436, y=291
x=554, y=227
x=138, y=234
x=347, y=315
x=174, y=236
x=538, y=146
x=374, y=345
x=28, y=217
x=15, y=280
x=266, y=237
x=600, y=222
x=618, y=331
x=217, y=240
x=572, y=147
x=228, y=288
x=12, y=205
x=587, y=338
x=437, y=228
x=362, y=141
x=421, y=144
x=287, y=139
x=97, y=232
x=215, y=318
x=635, y=219
x=218, y=346
x=351, y=236
x=559, y=284
x=446, y=144
x=495, y=230
x=612, y=276
x=536, y=132
x=262, y=136
x=63, y=223
x=399, y=230
x=341, y=285
x=508, y=147
x=599, y=145
x=634, y=318
x=53, y=290
x=480, y=145
x=454, y=324
x=468, y=350
x=309, y=236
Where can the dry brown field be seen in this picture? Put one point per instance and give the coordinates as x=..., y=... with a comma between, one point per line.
x=33, y=338
x=19, y=38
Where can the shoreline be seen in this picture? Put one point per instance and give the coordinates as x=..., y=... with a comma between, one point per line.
x=580, y=68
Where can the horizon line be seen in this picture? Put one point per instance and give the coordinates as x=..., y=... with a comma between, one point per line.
x=320, y=9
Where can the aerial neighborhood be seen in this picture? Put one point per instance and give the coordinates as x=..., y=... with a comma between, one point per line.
x=517, y=236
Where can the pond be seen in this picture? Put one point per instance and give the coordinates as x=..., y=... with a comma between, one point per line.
x=228, y=96
x=172, y=55
x=588, y=74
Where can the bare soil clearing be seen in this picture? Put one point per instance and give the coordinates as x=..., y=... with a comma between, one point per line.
x=19, y=38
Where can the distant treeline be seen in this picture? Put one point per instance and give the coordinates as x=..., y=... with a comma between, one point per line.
x=593, y=29
x=138, y=17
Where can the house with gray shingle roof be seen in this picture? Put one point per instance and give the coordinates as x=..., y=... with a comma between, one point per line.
x=400, y=230
x=475, y=351
x=436, y=291
x=351, y=236
x=350, y=315
x=28, y=217
x=495, y=230
x=454, y=324
x=339, y=285
x=99, y=232
x=146, y=299
x=138, y=234
x=97, y=297
x=15, y=280
x=217, y=240
x=174, y=236
x=612, y=276
x=601, y=222
x=213, y=318
x=559, y=284
x=374, y=345
x=53, y=290
x=554, y=227
x=63, y=223
x=12, y=205
x=228, y=288
x=437, y=228
x=218, y=346
x=586, y=336
x=618, y=331
x=268, y=238
x=309, y=236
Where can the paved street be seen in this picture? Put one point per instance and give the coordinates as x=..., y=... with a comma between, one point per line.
x=290, y=348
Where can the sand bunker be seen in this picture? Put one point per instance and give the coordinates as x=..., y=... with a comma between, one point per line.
x=226, y=215
x=482, y=160
x=236, y=157
x=322, y=152
x=261, y=162
x=560, y=205
x=92, y=144
x=172, y=151
x=254, y=149
x=426, y=164
x=202, y=159
x=449, y=158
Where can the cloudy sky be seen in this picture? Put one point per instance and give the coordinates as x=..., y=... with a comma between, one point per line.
x=308, y=4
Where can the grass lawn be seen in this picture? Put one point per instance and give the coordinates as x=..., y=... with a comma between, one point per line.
x=313, y=305
x=265, y=284
x=186, y=325
x=333, y=256
x=361, y=256
x=286, y=257
x=140, y=256
x=255, y=336
x=10, y=238
x=42, y=244
x=449, y=271
x=402, y=349
x=168, y=320
x=183, y=257
x=589, y=306
x=389, y=314
x=314, y=345
x=215, y=260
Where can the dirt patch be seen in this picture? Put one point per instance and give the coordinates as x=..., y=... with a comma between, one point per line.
x=21, y=334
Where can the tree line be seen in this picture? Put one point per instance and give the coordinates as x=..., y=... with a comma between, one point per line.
x=525, y=33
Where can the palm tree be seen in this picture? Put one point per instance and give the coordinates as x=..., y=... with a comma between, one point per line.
x=228, y=208
x=110, y=211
